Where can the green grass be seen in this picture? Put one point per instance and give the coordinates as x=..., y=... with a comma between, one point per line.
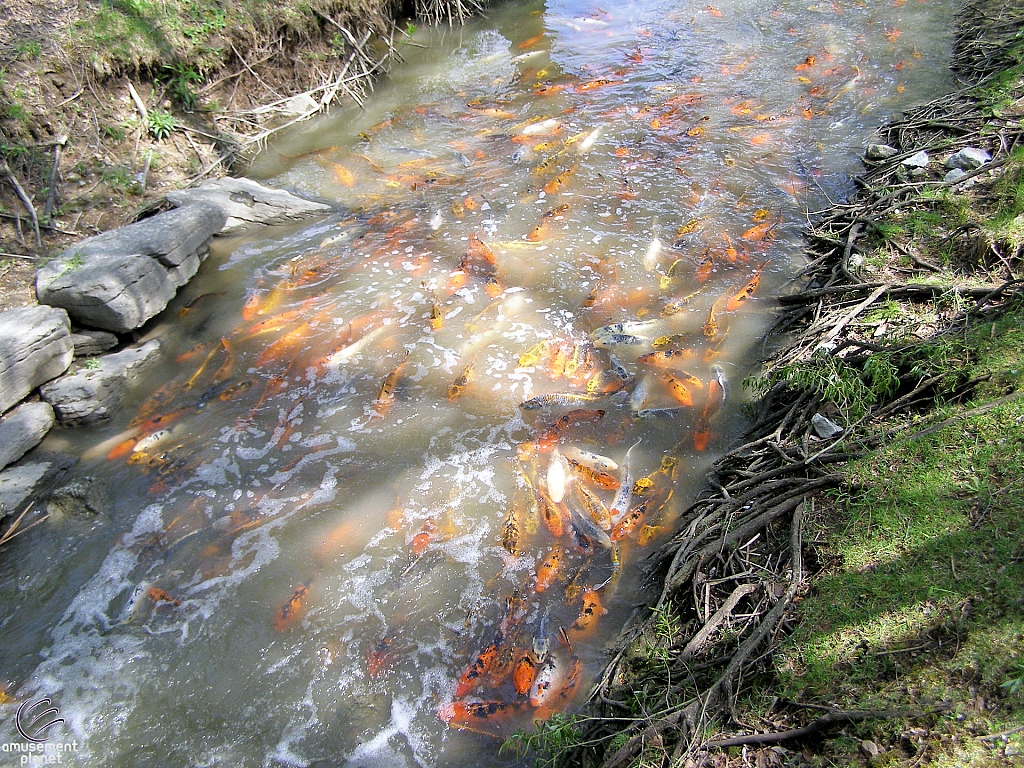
x=921, y=598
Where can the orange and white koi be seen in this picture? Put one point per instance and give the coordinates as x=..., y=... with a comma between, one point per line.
x=592, y=460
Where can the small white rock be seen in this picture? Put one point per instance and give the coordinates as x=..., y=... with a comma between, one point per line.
x=920, y=160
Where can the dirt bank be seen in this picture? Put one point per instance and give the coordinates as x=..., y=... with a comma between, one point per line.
x=105, y=108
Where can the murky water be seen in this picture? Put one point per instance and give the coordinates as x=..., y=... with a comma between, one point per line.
x=343, y=527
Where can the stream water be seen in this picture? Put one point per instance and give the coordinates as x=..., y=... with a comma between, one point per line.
x=356, y=517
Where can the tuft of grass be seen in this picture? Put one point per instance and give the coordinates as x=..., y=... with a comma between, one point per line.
x=548, y=742
x=160, y=124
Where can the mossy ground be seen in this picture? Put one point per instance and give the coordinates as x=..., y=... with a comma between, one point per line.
x=920, y=599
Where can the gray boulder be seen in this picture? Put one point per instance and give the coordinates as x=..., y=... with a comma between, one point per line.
x=92, y=342
x=876, y=152
x=120, y=279
x=968, y=159
x=92, y=395
x=245, y=203
x=30, y=479
x=35, y=346
x=23, y=429
x=825, y=427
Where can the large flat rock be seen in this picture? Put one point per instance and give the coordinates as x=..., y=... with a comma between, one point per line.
x=247, y=204
x=120, y=279
x=35, y=346
x=92, y=395
x=23, y=429
x=27, y=479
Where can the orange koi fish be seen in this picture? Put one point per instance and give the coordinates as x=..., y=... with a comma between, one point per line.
x=293, y=609
x=426, y=534
x=679, y=389
x=759, y=232
x=158, y=595
x=386, y=393
x=379, y=658
x=479, y=716
x=550, y=437
x=251, y=306
x=458, y=386
x=558, y=183
x=342, y=174
x=283, y=345
x=592, y=610
x=668, y=360
x=552, y=514
x=701, y=435
x=705, y=267
x=807, y=63
x=469, y=679
x=277, y=322
x=524, y=673
x=502, y=665
x=596, y=476
x=631, y=521
x=548, y=90
x=548, y=568
x=592, y=85
x=710, y=327
x=718, y=391
x=540, y=231
x=739, y=299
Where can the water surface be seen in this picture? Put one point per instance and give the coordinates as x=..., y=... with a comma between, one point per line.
x=324, y=505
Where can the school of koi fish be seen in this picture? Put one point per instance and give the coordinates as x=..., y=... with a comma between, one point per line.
x=434, y=436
